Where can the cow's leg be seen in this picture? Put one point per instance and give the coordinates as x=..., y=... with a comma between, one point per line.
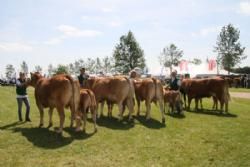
x=84, y=119
x=41, y=115
x=50, y=117
x=148, y=108
x=189, y=102
x=62, y=118
x=93, y=112
x=72, y=117
x=196, y=104
x=138, y=106
x=162, y=111
x=130, y=105
x=120, y=111
x=201, y=104
x=102, y=106
x=221, y=106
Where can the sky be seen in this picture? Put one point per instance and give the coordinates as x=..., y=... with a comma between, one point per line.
x=43, y=32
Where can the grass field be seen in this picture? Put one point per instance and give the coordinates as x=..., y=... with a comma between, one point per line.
x=204, y=138
x=239, y=90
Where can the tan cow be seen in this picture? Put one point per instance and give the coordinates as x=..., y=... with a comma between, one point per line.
x=58, y=92
x=173, y=98
x=116, y=90
x=150, y=90
x=87, y=102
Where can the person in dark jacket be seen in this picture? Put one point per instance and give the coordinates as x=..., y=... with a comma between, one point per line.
x=82, y=78
x=21, y=92
x=175, y=83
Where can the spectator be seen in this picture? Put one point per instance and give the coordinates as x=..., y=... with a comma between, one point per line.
x=22, y=97
x=82, y=78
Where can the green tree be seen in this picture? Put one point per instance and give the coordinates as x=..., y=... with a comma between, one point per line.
x=196, y=61
x=24, y=67
x=90, y=65
x=98, y=66
x=10, y=70
x=230, y=52
x=170, y=56
x=51, y=70
x=128, y=54
x=107, y=64
x=38, y=69
x=61, y=69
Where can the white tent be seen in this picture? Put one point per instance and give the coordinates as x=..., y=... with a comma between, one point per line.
x=188, y=68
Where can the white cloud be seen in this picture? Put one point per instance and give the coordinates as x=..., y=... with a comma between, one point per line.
x=15, y=47
x=115, y=23
x=204, y=32
x=53, y=41
x=245, y=7
x=107, y=10
x=70, y=31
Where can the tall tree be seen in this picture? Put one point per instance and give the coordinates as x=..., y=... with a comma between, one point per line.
x=196, y=61
x=98, y=66
x=38, y=68
x=50, y=70
x=90, y=65
x=107, y=64
x=24, y=67
x=61, y=69
x=9, y=71
x=230, y=52
x=128, y=54
x=170, y=56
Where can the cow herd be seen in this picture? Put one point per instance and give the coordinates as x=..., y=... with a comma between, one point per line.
x=62, y=91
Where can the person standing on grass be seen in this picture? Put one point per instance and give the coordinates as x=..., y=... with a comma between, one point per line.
x=83, y=77
x=22, y=97
x=175, y=83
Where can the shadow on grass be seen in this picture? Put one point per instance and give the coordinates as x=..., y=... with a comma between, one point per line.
x=152, y=123
x=14, y=124
x=114, y=123
x=78, y=135
x=43, y=137
x=176, y=115
x=212, y=112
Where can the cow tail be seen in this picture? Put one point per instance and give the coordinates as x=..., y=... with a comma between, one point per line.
x=92, y=97
x=75, y=92
x=131, y=87
x=226, y=93
x=155, y=83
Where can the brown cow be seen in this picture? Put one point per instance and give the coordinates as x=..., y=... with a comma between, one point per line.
x=173, y=98
x=58, y=92
x=199, y=88
x=150, y=90
x=87, y=102
x=117, y=90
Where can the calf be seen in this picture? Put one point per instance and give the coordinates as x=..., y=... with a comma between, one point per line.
x=87, y=102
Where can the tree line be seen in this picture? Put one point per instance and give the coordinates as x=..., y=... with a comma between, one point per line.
x=128, y=55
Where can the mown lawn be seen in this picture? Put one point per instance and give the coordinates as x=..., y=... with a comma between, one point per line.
x=239, y=90
x=204, y=138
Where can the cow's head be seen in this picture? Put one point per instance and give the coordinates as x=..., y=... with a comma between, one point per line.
x=34, y=77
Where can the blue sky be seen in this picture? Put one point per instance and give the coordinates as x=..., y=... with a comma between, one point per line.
x=61, y=31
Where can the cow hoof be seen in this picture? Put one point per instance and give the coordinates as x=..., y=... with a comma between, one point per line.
x=50, y=125
x=163, y=120
x=40, y=125
x=95, y=130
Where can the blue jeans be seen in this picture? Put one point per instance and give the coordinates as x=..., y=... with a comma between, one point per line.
x=20, y=103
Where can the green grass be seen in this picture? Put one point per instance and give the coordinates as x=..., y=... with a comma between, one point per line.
x=204, y=138
x=239, y=90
